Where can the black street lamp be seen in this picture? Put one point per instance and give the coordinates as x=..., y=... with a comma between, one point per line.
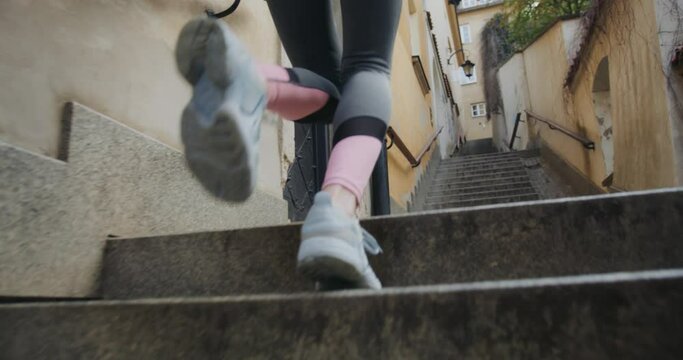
x=468, y=68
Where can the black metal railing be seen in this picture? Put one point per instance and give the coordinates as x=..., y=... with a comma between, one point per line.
x=587, y=143
x=514, y=131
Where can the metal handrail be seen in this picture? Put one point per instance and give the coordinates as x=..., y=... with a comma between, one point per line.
x=518, y=120
x=587, y=143
x=226, y=12
x=414, y=161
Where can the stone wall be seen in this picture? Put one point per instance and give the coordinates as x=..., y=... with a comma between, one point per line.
x=110, y=180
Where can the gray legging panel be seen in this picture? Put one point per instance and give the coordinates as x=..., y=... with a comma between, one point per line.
x=306, y=28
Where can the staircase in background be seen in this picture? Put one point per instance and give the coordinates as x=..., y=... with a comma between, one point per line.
x=589, y=277
x=489, y=179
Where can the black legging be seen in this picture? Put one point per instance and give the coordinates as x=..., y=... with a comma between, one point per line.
x=306, y=28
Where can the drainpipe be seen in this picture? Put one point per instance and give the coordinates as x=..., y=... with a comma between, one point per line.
x=379, y=184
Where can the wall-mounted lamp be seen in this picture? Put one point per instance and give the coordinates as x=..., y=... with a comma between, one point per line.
x=468, y=68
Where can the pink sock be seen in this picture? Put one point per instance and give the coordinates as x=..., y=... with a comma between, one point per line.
x=290, y=100
x=351, y=163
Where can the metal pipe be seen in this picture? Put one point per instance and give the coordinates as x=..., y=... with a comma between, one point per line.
x=514, y=131
x=381, y=203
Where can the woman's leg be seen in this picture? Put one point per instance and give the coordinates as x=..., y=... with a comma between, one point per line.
x=333, y=247
x=364, y=110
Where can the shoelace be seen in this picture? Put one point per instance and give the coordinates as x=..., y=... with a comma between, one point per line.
x=370, y=243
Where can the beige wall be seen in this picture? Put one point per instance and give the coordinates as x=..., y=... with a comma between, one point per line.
x=410, y=110
x=115, y=57
x=642, y=127
x=643, y=148
x=474, y=127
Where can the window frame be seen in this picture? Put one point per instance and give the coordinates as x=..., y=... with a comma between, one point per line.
x=480, y=108
x=469, y=34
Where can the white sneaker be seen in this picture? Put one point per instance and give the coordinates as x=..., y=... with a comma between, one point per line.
x=333, y=248
x=221, y=125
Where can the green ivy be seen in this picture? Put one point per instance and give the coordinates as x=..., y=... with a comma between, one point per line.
x=526, y=19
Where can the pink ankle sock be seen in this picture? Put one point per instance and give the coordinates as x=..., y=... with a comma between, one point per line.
x=290, y=100
x=351, y=163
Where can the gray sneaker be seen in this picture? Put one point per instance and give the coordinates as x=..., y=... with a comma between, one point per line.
x=220, y=126
x=333, y=248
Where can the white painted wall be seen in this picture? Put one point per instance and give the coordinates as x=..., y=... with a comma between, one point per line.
x=515, y=92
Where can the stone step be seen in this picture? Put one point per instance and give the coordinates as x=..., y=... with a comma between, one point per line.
x=482, y=156
x=478, y=170
x=480, y=188
x=521, y=154
x=485, y=200
x=544, y=238
x=478, y=182
x=498, y=160
x=439, y=180
x=634, y=315
x=529, y=189
x=483, y=165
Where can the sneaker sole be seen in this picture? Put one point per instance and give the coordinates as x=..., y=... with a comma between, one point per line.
x=217, y=151
x=333, y=266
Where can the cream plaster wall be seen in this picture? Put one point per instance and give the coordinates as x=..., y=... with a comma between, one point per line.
x=115, y=57
x=410, y=112
x=474, y=127
x=643, y=145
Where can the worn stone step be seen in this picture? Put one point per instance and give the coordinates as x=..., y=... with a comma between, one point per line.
x=633, y=315
x=479, y=188
x=484, y=165
x=485, y=200
x=511, y=241
x=478, y=182
x=478, y=170
x=501, y=160
x=482, y=156
x=439, y=180
x=481, y=194
x=521, y=154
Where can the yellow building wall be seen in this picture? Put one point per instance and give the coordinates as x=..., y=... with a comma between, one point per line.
x=643, y=145
x=410, y=111
x=643, y=148
x=467, y=95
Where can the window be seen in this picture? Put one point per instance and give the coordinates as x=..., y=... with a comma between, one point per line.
x=472, y=3
x=464, y=80
x=478, y=110
x=465, y=34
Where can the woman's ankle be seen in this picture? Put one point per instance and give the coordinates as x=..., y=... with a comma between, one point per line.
x=343, y=199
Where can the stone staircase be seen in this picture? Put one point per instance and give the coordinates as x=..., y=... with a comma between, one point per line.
x=484, y=180
x=580, y=278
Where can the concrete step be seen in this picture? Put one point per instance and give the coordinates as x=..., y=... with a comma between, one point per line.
x=484, y=200
x=478, y=170
x=440, y=180
x=633, y=315
x=478, y=182
x=480, y=194
x=483, y=165
x=480, y=188
x=544, y=238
